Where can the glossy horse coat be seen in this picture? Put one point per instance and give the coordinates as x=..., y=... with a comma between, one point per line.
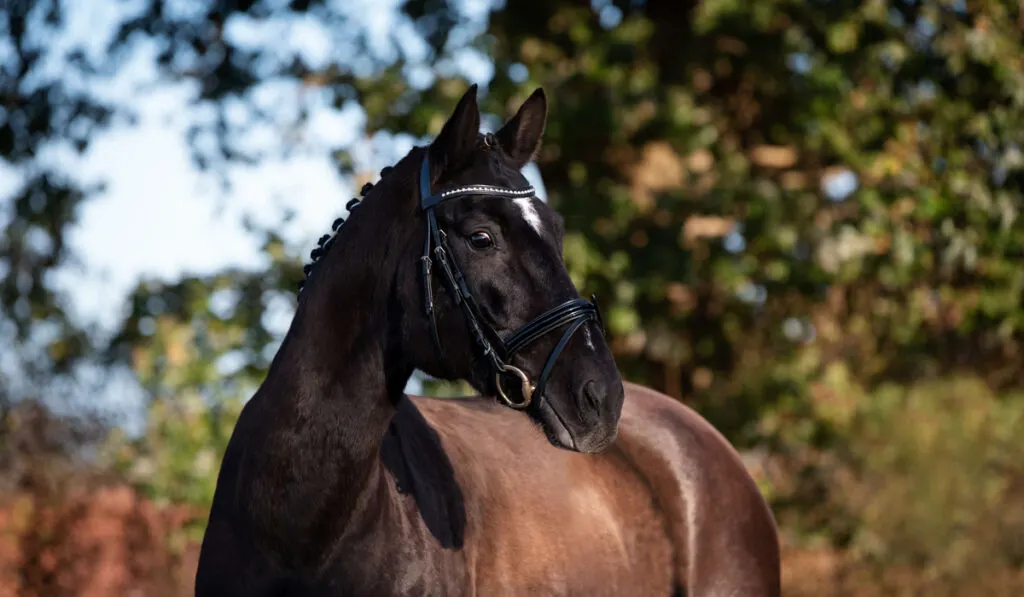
x=335, y=483
x=669, y=509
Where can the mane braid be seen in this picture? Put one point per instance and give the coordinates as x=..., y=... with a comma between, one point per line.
x=327, y=240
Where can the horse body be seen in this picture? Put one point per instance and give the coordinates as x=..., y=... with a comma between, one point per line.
x=336, y=483
x=668, y=510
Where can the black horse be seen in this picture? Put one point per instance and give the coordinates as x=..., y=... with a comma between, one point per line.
x=336, y=483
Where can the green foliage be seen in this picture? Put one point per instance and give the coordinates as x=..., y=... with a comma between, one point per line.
x=734, y=123
x=177, y=459
x=192, y=410
x=928, y=477
x=949, y=450
x=199, y=347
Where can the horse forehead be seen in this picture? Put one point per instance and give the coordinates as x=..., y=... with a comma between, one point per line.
x=527, y=207
x=504, y=176
x=530, y=214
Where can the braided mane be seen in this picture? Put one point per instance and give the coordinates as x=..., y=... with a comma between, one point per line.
x=485, y=142
x=327, y=240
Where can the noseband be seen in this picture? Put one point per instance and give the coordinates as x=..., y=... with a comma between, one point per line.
x=573, y=313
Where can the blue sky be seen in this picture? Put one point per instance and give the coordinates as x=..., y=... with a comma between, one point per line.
x=159, y=216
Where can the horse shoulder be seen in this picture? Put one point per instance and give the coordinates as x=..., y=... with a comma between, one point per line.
x=722, y=529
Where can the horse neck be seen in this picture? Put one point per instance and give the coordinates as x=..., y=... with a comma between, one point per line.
x=330, y=393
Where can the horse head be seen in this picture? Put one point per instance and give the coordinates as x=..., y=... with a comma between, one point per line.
x=480, y=291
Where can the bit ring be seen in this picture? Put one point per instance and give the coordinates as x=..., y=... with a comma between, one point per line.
x=525, y=385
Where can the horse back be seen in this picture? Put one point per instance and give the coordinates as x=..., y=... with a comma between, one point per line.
x=545, y=520
x=723, y=531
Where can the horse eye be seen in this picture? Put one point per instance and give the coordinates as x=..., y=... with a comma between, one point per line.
x=481, y=240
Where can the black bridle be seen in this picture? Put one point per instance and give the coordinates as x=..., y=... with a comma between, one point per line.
x=573, y=313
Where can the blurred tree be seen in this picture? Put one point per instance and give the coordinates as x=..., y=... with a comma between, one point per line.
x=746, y=186
x=46, y=112
x=756, y=191
x=49, y=114
x=785, y=178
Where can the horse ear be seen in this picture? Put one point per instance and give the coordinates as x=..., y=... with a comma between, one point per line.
x=457, y=138
x=520, y=136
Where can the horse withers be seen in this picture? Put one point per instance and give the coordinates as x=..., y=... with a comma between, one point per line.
x=336, y=483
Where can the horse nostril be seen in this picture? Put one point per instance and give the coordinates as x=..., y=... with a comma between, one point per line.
x=593, y=392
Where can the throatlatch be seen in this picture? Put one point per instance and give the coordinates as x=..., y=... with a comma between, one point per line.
x=573, y=313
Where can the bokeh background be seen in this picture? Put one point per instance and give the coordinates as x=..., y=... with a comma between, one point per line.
x=803, y=218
